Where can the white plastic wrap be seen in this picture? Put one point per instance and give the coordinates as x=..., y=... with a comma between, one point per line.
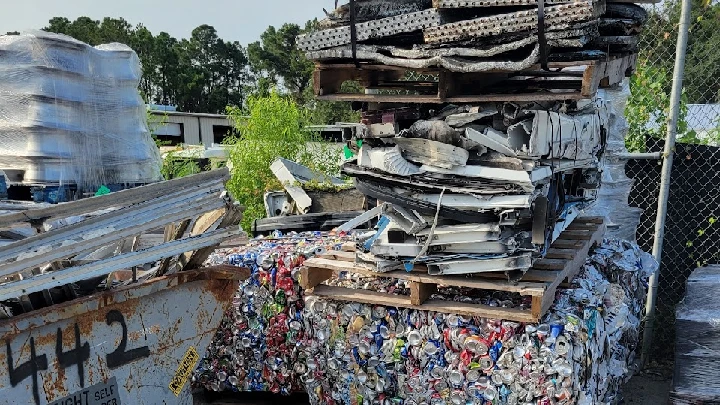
x=72, y=114
x=697, y=354
x=613, y=196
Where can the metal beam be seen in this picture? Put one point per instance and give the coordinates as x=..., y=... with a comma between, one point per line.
x=117, y=199
x=74, y=274
x=522, y=262
x=640, y=156
x=361, y=219
x=665, y=179
x=144, y=211
x=413, y=249
x=132, y=226
x=444, y=235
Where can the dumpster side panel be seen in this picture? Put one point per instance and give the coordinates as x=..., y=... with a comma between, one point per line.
x=143, y=337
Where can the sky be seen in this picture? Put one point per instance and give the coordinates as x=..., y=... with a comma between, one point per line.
x=235, y=20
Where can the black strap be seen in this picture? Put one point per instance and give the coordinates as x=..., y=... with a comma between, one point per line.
x=353, y=32
x=542, y=40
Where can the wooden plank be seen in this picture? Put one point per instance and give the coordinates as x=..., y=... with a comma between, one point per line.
x=567, y=244
x=177, y=233
x=590, y=81
x=233, y=216
x=523, y=288
x=550, y=264
x=449, y=307
x=424, y=99
x=436, y=71
x=311, y=277
x=348, y=247
x=572, y=267
x=557, y=253
x=420, y=292
x=536, y=307
x=208, y=221
x=590, y=220
x=339, y=255
x=168, y=232
x=581, y=227
x=545, y=276
x=576, y=235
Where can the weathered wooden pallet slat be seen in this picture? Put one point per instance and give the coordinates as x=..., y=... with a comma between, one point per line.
x=581, y=81
x=567, y=255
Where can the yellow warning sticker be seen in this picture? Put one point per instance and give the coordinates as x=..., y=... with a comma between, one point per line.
x=187, y=365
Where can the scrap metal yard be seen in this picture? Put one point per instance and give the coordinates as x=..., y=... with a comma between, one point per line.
x=416, y=202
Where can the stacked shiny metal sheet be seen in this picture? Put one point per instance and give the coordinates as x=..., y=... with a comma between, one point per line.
x=425, y=33
x=484, y=188
x=71, y=114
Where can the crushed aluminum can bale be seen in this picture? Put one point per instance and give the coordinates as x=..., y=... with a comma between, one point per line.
x=254, y=348
x=581, y=352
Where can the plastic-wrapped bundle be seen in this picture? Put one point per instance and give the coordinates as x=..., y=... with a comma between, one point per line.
x=349, y=353
x=71, y=113
x=612, y=201
x=697, y=379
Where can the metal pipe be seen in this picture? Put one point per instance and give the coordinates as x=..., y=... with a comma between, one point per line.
x=640, y=156
x=666, y=176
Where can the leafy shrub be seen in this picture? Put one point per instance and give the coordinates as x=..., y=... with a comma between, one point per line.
x=272, y=127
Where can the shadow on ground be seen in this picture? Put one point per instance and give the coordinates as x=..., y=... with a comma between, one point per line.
x=643, y=389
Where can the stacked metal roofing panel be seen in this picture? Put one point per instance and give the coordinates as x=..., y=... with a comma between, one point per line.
x=474, y=30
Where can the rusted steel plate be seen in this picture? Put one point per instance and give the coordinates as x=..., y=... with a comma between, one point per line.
x=132, y=345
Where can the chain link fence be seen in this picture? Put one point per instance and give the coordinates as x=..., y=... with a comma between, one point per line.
x=692, y=235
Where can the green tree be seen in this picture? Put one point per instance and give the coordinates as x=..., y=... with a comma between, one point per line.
x=271, y=127
x=201, y=74
x=648, y=106
x=165, y=73
x=277, y=58
x=212, y=72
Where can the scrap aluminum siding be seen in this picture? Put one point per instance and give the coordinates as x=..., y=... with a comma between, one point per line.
x=522, y=262
x=137, y=336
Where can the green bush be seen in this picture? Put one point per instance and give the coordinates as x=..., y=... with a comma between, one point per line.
x=271, y=127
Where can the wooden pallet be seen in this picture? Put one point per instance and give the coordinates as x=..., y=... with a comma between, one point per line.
x=452, y=87
x=564, y=260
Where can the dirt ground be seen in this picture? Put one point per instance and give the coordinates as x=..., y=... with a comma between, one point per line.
x=647, y=389
x=643, y=389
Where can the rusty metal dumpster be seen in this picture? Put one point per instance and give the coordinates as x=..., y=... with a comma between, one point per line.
x=133, y=345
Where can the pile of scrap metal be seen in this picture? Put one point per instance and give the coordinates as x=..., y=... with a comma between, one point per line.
x=310, y=201
x=55, y=253
x=480, y=188
x=474, y=36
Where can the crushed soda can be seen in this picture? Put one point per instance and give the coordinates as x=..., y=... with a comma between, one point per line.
x=277, y=339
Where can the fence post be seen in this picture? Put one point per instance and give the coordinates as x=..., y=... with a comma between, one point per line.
x=666, y=175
